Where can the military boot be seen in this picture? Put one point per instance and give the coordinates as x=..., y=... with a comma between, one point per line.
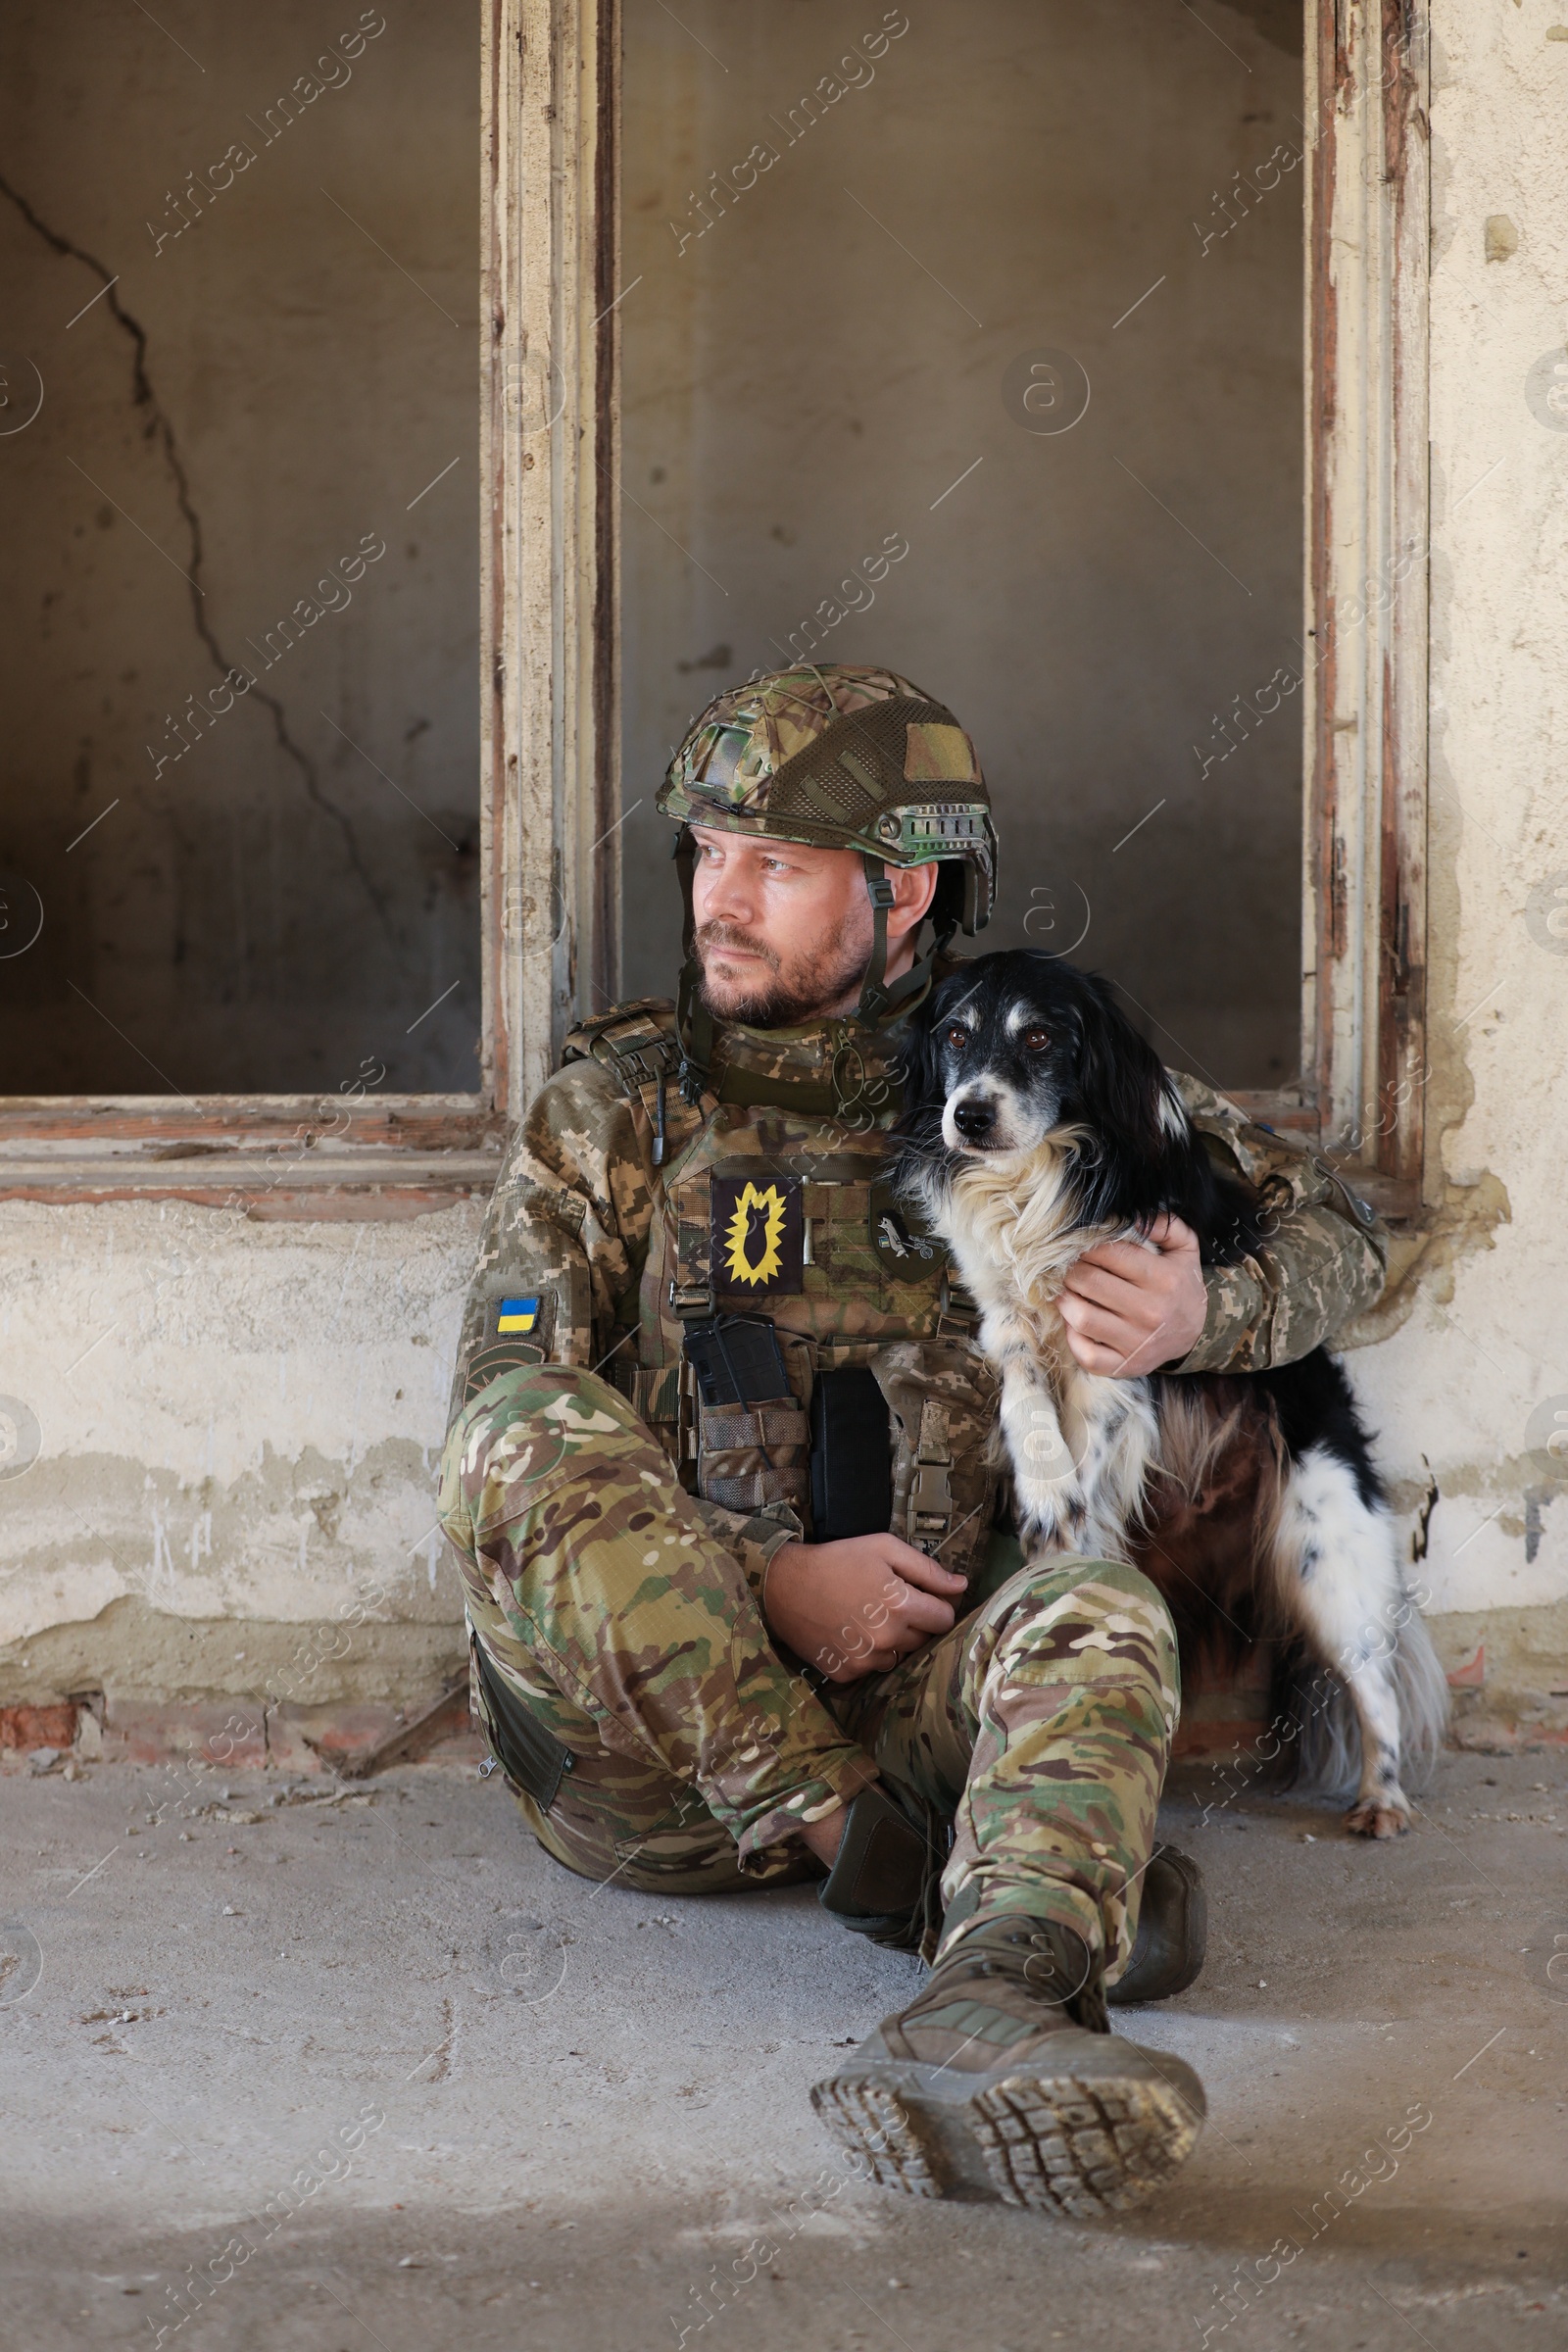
x=1172, y=1930
x=1002, y=2080
x=886, y=1882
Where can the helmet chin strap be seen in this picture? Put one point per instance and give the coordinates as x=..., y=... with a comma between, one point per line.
x=879, y=998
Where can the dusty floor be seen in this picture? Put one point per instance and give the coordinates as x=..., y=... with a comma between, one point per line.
x=563, y=2116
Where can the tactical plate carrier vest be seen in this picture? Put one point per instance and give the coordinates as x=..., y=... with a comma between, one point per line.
x=774, y=1221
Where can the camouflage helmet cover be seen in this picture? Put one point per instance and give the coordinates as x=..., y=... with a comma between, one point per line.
x=841, y=756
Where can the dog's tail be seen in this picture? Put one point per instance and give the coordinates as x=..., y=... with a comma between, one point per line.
x=1423, y=1693
x=1323, y=1748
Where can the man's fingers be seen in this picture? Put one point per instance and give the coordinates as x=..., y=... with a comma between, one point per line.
x=852, y=1670
x=917, y=1568
x=1126, y=1258
x=1131, y=1259
x=1093, y=1357
x=1171, y=1233
x=875, y=1661
x=1166, y=1235
x=1092, y=1287
x=922, y=1610
x=1087, y=1321
x=857, y=1605
x=1124, y=1357
x=1134, y=1274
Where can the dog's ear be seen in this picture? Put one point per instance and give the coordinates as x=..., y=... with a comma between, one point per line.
x=1121, y=1082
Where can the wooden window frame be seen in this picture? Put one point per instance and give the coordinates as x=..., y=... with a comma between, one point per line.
x=550, y=671
x=1367, y=590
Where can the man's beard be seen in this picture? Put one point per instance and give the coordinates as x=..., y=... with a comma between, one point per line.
x=815, y=979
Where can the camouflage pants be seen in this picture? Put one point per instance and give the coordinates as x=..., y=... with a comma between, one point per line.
x=1041, y=1722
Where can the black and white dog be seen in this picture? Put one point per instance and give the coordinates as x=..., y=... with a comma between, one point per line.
x=1037, y=1123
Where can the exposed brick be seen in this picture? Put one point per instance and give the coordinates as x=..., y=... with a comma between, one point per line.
x=300, y=1738
x=225, y=1734
x=229, y=1735
x=39, y=1727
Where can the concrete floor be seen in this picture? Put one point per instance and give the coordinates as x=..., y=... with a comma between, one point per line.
x=593, y=2102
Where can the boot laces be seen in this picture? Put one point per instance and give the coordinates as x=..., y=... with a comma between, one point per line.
x=1020, y=1955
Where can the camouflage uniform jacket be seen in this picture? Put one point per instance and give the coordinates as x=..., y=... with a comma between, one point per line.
x=615, y=1216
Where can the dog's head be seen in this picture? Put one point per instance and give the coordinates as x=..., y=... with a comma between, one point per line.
x=1015, y=1049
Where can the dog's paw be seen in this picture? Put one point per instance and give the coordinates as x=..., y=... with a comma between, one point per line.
x=1377, y=1817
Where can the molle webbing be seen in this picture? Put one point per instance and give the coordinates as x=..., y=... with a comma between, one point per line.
x=637, y=1044
x=806, y=1097
x=636, y=1040
x=866, y=1286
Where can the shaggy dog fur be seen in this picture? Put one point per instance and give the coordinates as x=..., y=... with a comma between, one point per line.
x=1037, y=1124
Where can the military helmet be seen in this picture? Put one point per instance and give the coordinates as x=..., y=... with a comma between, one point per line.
x=844, y=757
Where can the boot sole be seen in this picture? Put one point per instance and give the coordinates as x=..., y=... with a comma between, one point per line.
x=1069, y=2144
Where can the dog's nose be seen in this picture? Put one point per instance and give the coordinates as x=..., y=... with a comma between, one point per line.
x=974, y=1117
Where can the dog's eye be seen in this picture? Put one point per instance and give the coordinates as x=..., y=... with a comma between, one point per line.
x=957, y=1037
x=1036, y=1040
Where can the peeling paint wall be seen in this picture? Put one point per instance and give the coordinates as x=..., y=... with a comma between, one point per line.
x=1473, y=1379
x=237, y=1428
x=241, y=744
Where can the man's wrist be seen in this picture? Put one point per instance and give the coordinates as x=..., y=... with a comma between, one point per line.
x=1234, y=1296
x=768, y=1550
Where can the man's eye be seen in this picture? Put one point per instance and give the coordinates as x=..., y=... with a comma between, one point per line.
x=1036, y=1040
x=957, y=1037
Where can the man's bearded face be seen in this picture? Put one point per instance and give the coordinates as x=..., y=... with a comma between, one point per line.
x=770, y=988
x=784, y=931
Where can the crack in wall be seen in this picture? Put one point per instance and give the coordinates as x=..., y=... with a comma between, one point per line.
x=161, y=430
x=1421, y=1537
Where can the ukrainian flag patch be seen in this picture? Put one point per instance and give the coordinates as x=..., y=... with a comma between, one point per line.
x=516, y=1315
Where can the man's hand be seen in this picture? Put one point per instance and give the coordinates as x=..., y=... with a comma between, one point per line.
x=855, y=1607
x=1129, y=1309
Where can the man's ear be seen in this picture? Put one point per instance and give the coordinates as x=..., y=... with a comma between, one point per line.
x=914, y=889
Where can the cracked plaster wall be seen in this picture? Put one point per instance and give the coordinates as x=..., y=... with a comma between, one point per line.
x=256, y=398
x=1482, y=1346
x=241, y=1430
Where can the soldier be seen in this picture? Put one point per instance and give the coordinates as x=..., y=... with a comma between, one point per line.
x=721, y=1473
